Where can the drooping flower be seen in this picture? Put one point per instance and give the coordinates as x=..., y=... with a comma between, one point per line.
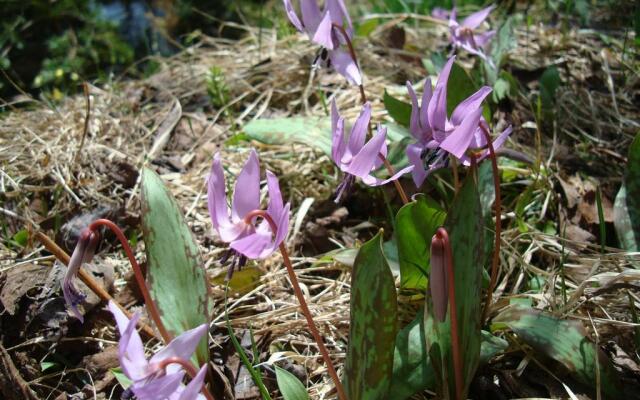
x=151, y=379
x=437, y=135
x=238, y=227
x=353, y=156
x=464, y=35
x=319, y=26
x=83, y=253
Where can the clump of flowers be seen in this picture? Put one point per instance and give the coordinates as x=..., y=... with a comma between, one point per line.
x=438, y=136
x=327, y=28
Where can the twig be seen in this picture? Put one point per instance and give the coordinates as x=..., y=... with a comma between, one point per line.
x=94, y=286
x=87, y=117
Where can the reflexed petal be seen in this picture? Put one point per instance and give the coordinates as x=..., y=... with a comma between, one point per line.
x=469, y=104
x=338, y=143
x=194, y=387
x=246, y=194
x=440, y=13
x=216, y=195
x=310, y=15
x=497, y=143
x=275, y=206
x=414, y=123
x=322, y=35
x=419, y=174
x=130, y=347
x=339, y=13
x=293, y=17
x=373, y=181
x=474, y=20
x=343, y=64
x=158, y=388
x=437, y=110
x=283, y=226
x=253, y=245
x=182, y=346
x=363, y=162
x=458, y=141
x=427, y=93
x=359, y=132
x=72, y=296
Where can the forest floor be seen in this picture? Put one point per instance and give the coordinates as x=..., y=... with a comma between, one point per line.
x=57, y=174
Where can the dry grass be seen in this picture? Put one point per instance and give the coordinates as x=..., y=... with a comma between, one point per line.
x=270, y=77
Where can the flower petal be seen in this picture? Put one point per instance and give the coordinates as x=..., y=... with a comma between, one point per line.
x=373, y=181
x=246, y=194
x=194, y=387
x=293, y=17
x=414, y=122
x=474, y=20
x=437, y=109
x=158, y=388
x=482, y=39
x=337, y=129
x=216, y=195
x=358, y=133
x=419, y=174
x=458, y=141
x=275, y=206
x=310, y=15
x=72, y=296
x=344, y=65
x=323, y=34
x=130, y=347
x=253, y=245
x=427, y=94
x=469, y=104
x=363, y=162
x=339, y=13
x=182, y=346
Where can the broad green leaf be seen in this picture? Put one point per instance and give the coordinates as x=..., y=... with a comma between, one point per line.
x=21, y=237
x=242, y=281
x=290, y=386
x=347, y=256
x=491, y=346
x=365, y=28
x=397, y=109
x=412, y=370
x=459, y=87
x=122, y=379
x=315, y=132
x=372, y=332
x=626, y=210
x=565, y=341
x=176, y=279
x=464, y=224
x=416, y=223
x=549, y=83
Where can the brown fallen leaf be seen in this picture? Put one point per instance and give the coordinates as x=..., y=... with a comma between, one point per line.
x=20, y=281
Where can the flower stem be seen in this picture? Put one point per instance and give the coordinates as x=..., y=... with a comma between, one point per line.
x=94, y=286
x=151, y=305
x=303, y=303
x=396, y=183
x=442, y=234
x=498, y=208
x=189, y=368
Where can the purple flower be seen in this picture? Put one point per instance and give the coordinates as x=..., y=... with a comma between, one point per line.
x=320, y=28
x=437, y=136
x=151, y=379
x=353, y=156
x=245, y=238
x=463, y=35
x=83, y=253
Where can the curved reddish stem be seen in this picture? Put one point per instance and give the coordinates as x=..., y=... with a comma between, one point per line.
x=498, y=207
x=191, y=370
x=442, y=234
x=151, y=305
x=303, y=303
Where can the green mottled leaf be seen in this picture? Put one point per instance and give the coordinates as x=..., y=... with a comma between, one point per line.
x=177, y=281
x=464, y=224
x=626, y=210
x=397, y=109
x=290, y=386
x=313, y=131
x=416, y=223
x=491, y=346
x=373, y=324
x=566, y=341
x=412, y=371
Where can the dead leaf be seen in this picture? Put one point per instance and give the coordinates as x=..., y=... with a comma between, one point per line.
x=20, y=281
